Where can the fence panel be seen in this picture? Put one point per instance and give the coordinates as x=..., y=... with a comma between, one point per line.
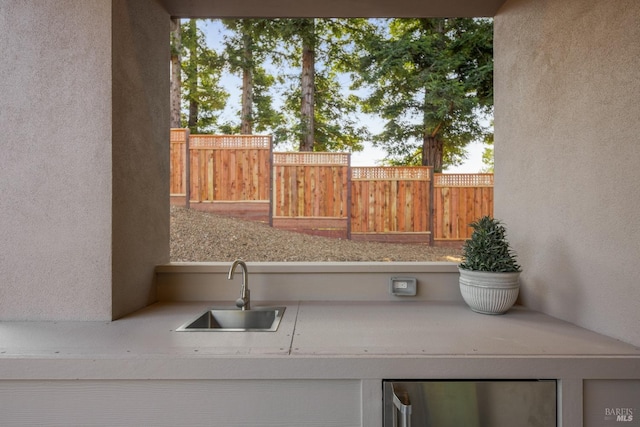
x=458, y=200
x=177, y=149
x=390, y=203
x=230, y=174
x=229, y=168
x=319, y=193
x=310, y=192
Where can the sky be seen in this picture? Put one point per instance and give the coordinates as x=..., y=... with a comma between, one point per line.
x=370, y=156
x=473, y=164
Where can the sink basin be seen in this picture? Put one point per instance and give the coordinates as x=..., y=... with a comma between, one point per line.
x=259, y=319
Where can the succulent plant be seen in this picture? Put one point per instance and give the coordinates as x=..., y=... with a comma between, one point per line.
x=488, y=248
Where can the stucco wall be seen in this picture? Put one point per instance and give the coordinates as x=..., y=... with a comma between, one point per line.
x=140, y=150
x=567, y=151
x=55, y=159
x=84, y=160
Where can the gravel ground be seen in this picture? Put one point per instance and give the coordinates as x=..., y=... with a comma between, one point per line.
x=200, y=236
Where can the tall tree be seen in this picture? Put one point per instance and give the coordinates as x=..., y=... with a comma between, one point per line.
x=324, y=115
x=247, y=85
x=202, y=70
x=247, y=48
x=307, y=34
x=429, y=79
x=176, y=77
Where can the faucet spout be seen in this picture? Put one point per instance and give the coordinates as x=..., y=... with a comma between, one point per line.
x=244, y=301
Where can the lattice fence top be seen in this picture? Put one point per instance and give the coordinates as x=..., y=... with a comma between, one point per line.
x=311, y=159
x=230, y=141
x=463, y=180
x=416, y=173
x=178, y=135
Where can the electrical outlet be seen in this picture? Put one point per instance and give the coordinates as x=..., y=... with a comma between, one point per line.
x=403, y=286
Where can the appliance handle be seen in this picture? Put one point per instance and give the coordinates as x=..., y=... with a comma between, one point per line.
x=403, y=404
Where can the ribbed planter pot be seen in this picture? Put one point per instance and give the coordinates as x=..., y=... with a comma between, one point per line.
x=487, y=292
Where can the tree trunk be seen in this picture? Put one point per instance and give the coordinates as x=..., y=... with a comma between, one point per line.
x=193, y=116
x=308, y=90
x=247, y=86
x=193, y=83
x=175, y=73
x=432, y=151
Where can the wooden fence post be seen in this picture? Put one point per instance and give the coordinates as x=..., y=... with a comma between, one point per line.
x=431, y=220
x=187, y=157
x=349, y=197
x=271, y=186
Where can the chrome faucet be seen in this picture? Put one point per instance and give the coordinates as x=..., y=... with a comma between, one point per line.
x=243, y=302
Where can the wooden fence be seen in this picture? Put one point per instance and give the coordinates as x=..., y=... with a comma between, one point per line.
x=177, y=163
x=390, y=203
x=311, y=193
x=227, y=174
x=320, y=193
x=458, y=200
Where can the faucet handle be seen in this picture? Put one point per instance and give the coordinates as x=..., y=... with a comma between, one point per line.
x=243, y=302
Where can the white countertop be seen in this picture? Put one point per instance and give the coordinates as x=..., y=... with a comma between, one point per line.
x=315, y=339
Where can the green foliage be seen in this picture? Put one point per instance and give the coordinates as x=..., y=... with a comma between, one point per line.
x=487, y=154
x=248, y=45
x=427, y=78
x=487, y=160
x=336, y=127
x=488, y=248
x=422, y=78
x=265, y=116
x=202, y=94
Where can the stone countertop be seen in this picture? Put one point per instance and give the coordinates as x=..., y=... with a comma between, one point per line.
x=314, y=340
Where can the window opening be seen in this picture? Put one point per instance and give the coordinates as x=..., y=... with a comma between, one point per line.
x=259, y=189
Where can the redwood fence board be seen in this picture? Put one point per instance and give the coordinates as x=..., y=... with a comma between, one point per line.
x=229, y=169
x=323, y=226
x=390, y=200
x=222, y=169
x=310, y=185
x=460, y=199
x=177, y=152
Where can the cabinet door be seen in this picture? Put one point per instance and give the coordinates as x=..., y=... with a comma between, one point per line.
x=229, y=403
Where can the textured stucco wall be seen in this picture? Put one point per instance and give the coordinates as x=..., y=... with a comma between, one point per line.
x=84, y=160
x=567, y=150
x=55, y=159
x=140, y=150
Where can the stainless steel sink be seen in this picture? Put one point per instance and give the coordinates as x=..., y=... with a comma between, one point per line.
x=259, y=319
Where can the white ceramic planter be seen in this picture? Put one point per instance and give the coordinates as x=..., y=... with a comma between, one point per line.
x=487, y=292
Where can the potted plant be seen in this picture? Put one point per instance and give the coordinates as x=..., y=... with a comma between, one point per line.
x=489, y=272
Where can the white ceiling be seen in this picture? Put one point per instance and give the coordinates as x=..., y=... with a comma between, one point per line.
x=330, y=8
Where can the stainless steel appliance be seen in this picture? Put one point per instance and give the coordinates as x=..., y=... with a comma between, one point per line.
x=527, y=403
